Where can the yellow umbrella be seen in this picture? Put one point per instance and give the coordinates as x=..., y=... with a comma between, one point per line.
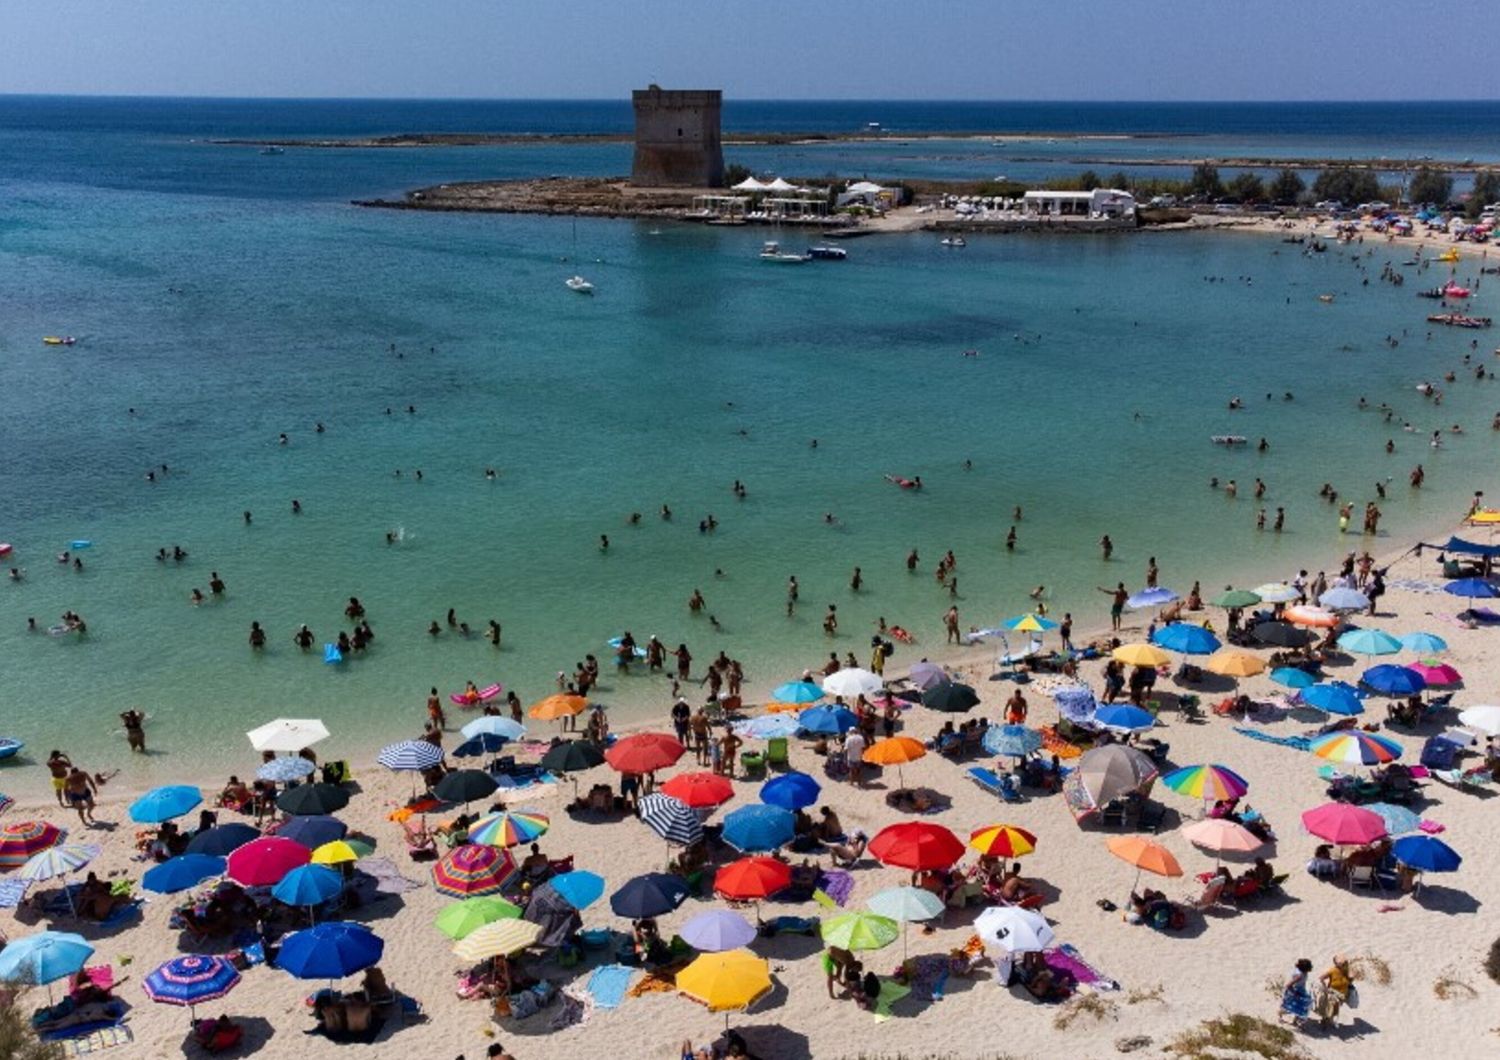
x=559, y=706
x=1030, y=623
x=335, y=853
x=498, y=938
x=1230, y=663
x=733, y=979
x=1141, y=654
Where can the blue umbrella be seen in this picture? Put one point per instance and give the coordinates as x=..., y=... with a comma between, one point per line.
x=1291, y=677
x=44, y=957
x=579, y=888
x=829, y=720
x=191, y=980
x=1369, y=642
x=790, y=791
x=672, y=819
x=330, y=951
x=1344, y=600
x=1152, y=597
x=797, y=692
x=411, y=755
x=767, y=727
x=1336, y=697
x=312, y=832
x=1186, y=638
x=493, y=725
x=1473, y=588
x=758, y=828
x=1015, y=740
x=1030, y=622
x=1393, y=680
x=308, y=885
x=285, y=768
x=182, y=872
x=483, y=744
x=163, y=804
x=222, y=840
x=1077, y=704
x=653, y=894
x=1124, y=718
x=1398, y=819
x=1427, y=853
x=1423, y=643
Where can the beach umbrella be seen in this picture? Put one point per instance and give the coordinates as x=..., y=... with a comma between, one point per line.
x=1335, y=697
x=1472, y=588
x=767, y=727
x=1141, y=654
x=859, y=931
x=1426, y=853
x=286, y=768
x=1484, y=718
x=725, y=981
x=1391, y=680
x=828, y=720
x=1313, y=617
x=797, y=692
x=410, y=756
x=903, y=904
x=895, y=751
x=950, y=697
x=1291, y=677
x=1281, y=635
x=644, y=752
x=1342, y=599
x=579, y=888
x=1016, y=741
x=494, y=725
x=1002, y=841
x=43, y=958
x=1356, y=747
x=1423, y=643
x=1186, y=638
x=509, y=828
x=6, y=802
x=308, y=886
x=758, y=827
x=163, y=804
x=330, y=950
x=572, y=756
x=222, y=840
x=925, y=674
x=313, y=800
x=1231, y=663
x=752, y=878
x=1014, y=929
x=1237, y=598
x=312, y=832
x=476, y=746
x=1435, y=674
x=652, y=894
x=672, y=819
x=465, y=786
x=473, y=869
x=916, y=845
x=498, y=938
x=1155, y=596
x=790, y=791
x=1366, y=641
x=1027, y=623
x=1207, y=782
x=263, y=862
x=1076, y=703
x=699, y=790
x=558, y=706
x=1344, y=824
x=22, y=839
x=716, y=931
x=57, y=861
x=191, y=980
x=288, y=735
x=340, y=852
x=1123, y=718
x=1114, y=771
x=1276, y=593
x=180, y=873
x=1221, y=836
x=1398, y=819
x=852, y=682
x=459, y=919
x=1145, y=855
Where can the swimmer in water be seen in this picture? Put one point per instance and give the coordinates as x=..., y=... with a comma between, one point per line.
x=247, y=517
x=215, y=583
x=283, y=438
x=303, y=638
x=433, y=629
x=492, y=633
x=197, y=596
x=257, y=636
x=296, y=507
x=666, y=513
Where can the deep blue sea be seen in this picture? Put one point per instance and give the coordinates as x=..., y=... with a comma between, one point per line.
x=227, y=297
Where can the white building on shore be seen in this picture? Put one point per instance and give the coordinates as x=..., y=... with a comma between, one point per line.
x=1101, y=203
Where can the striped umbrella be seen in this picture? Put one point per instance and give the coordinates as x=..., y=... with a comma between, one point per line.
x=672, y=819
x=472, y=869
x=1002, y=841
x=413, y=755
x=58, y=861
x=1207, y=782
x=6, y=802
x=1356, y=747
x=191, y=980
x=19, y=841
x=509, y=828
x=498, y=938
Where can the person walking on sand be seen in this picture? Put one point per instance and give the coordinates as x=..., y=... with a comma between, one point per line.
x=79, y=788
x=1117, y=596
x=950, y=623
x=59, y=765
x=1066, y=631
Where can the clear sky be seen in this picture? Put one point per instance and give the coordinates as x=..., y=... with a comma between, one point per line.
x=762, y=49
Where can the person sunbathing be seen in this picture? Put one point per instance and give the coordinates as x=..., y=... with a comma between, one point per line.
x=217, y=1035
x=828, y=827
x=536, y=867
x=235, y=795
x=95, y=901
x=85, y=991
x=846, y=854
x=1016, y=891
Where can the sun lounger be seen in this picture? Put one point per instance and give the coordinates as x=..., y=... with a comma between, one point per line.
x=1208, y=897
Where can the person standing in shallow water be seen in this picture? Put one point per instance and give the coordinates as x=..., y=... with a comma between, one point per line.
x=950, y=623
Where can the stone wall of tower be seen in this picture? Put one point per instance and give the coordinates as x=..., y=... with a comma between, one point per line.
x=677, y=138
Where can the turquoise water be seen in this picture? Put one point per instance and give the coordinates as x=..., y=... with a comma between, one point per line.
x=224, y=321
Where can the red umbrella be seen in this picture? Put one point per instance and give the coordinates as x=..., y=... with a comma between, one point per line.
x=750, y=878
x=699, y=789
x=19, y=841
x=917, y=845
x=1346, y=825
x=645, y=752
x=263, y=862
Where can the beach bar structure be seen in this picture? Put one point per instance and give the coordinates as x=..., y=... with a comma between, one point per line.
x=732, y=206
x=1097, y=204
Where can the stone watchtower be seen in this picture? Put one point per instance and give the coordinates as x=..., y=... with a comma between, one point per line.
x=677, y=138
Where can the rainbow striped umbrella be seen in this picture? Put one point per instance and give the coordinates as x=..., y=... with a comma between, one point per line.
x=1356, y=747
x=1207, y=782
x=509, y=828
x=472, y=869
x=1002, y=841
x=19, y=841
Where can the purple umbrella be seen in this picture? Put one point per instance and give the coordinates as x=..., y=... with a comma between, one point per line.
x=718, y=930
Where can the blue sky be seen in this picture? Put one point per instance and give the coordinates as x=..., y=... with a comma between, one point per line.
x=765, y=49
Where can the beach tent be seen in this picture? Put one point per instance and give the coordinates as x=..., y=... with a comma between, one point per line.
x=751, y=184
x=781, y=184
x=1105, y=774
x=554, y=914
x=1467, y=548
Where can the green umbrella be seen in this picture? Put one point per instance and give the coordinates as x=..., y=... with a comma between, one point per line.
x=860, y=931
x=462, y=918
x=1237, y=598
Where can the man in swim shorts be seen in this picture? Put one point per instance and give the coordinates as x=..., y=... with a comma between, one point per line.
x=58, y=764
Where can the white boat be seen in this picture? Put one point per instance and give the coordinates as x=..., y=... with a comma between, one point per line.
x=579, y=285
x=273, y=150
x=772, y=252
x=954, y=241
x=827, y=253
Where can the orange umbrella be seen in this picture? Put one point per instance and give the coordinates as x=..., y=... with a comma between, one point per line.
x=558, y=706
x=896, y=751
x=1145, y=855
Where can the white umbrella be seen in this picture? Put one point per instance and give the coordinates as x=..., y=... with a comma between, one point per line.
x=1276, y=593
x=288, y=734
x=852, y=682
x=1015, y=929
x=1485, y=719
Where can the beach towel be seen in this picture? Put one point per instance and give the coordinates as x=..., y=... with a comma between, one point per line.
x=1055, y=744
x=573, y=1010
x=1301, y=743
x=12, y=891
x=388, y=878
x=662, y=980
x=1066, y=960
x=608, y=984
x=98, y=1040
x=57, y=905
x=890, y=992
x=1414, y=585
x=836, y=884
x=975, y=946
x=929, y=975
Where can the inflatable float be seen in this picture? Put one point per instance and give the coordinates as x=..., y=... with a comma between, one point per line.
x=58, y=340
x=640, y=652
x=472, y=699
x=331, y=654
x=81, y=544
x=5, y=549
x=9, y=748
x=904, y=483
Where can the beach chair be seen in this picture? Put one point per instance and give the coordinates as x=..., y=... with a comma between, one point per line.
x=1113, y=814
x=753, y=763
x=776, y=753
x=1438, y=753
x=420, y=846
x=337, y=772
x=1208, y=897
x=987, y=779
x=1364, y=876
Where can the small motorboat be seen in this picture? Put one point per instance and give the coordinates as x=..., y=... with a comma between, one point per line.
x=954, y=241
x=772, y=251
x=1458, y=320
x=1453, y=290
x=823, y=252
x=579, y=285
x=1325, y=298
x=1434, y=293
x=273, y=150
x=58, y=340
x=9, y=748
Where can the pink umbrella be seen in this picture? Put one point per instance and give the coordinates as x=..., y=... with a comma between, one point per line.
x=1436, y=673
x=263, y=862
x=1346, y=825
